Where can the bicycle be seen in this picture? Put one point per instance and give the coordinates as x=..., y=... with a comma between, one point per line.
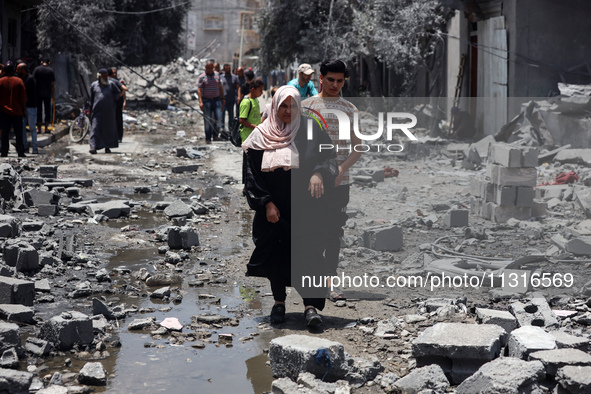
x=80, y=126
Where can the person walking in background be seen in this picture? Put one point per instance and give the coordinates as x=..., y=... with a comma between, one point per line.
x=302, y=83
x=211, y=101
x=45, y=83
x=13, y=104
x=103, y=125
x=231, y=87
x=30, y=115
x=121, y=101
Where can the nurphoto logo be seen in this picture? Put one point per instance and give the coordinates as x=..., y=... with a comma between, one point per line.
x=392, y=125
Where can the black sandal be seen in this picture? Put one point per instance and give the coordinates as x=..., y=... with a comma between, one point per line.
x=313, y=319
x=278, y=313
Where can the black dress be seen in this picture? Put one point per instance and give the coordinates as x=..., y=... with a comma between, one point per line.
x=294, y=247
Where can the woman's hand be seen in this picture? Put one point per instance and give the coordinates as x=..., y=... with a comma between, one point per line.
x=272, y=212
x=316, y=186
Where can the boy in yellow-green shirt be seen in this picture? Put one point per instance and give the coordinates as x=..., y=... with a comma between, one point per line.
x=250, y=112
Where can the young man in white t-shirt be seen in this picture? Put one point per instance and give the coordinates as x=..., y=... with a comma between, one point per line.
x=332, y=78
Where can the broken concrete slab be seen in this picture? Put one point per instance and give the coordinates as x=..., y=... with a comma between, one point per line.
x=37, y=346
x=529, y=339
x=505, y=375
x=68, y=329
x=17, y=313
x=182, y=238
x=460, y=349
x=9, y=226
x=16, y=291
x=574, y=380
x=45, y=210
x=9, y=359
x=583, y=197
x=140, y=324
x=15, y=381
x=185, y=168
x=568, y=341
x=430, y=377
x=292, y=354
x=574, y=156
x=558, y=358
x=580, y=246
x=177, y=209
x=21, y=255
x=9, y=337
x=36, y=197
x=535, y=312
x=93, y=374
x=502, y=319
x=383, y=238
x=111, y=209
x=501, y=214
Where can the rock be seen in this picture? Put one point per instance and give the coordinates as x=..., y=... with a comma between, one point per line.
x=383, y=238
x=16, y=382
x=529, y=339
x=505, y=375
x=430, y=377
x=161, y=293
x=178, y=208
x=574, y=379
x=102, y=275
x=293, y=354
x=182, y=238
x=42, y=286
x=210, y=318
x=36, y=197
x=9, y=359
x=558, y=358
x=100, y=308
x=9, y=337
x=37, y=346
x=9, y=227
x=140, y=324
x=567, y=341
x=163, y=279
x=284, y=386
x=93, y=374
x=172, y=323
x=21, y=255
x=110, y=209
x=68, y=329
x=460, y=349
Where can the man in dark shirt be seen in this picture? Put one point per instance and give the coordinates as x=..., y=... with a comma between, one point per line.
x=231, y=86
x=30, y=115
x=13, y=99
x=120, y=104
x=45, y=79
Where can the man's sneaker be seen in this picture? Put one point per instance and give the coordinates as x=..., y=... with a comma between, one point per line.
x=278, y=313
x=313, y=319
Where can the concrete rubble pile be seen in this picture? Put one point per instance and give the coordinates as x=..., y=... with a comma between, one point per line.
x=178, y=78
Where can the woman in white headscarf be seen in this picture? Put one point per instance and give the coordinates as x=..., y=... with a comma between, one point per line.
x=286, y=178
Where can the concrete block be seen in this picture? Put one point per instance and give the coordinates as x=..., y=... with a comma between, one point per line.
x=502, y=319
x=583, y=197
x=189, y=237
x=505, y=155
x=505, y=195
x=17, y=313
x=500, y=214
x=529, y=156
x=513, y=176
x=536, y=312
x=37, y=346
x=284, y=386
x=525, y=196
x=383, y=238
x=36, y=197
x=12, y=381
x=16, y=291
x=460, y=349
x=9, y=337
x=42, y=285
x=456, y=218
x=21, y=255
x=67, y=329
x=430, y=377
x=47, y=210
x=111, y=209
x=558, y=358
x=178, y=208
x=488, y=191
x=476, y=187
x=292, y=354
x=551, y=191
x=579, y=246
x=187, y=168
x=505, y=375
x=529, y=339
x=567, y=341
x=574, y=380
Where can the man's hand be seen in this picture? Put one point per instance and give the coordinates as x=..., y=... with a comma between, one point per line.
x=201, y=106
x=316, y=186
x=272, y=213
x=339, y=177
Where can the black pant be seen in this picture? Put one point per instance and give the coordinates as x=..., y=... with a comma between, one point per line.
x=337, y=217
x=16, y=122
x=44, y=102
x=119, y=120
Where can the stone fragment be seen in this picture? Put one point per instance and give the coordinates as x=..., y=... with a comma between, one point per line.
x=284, y=386
x=383, y=238
x=567, y=341
x=574, y=380
x=177, y=209
x=140, y=324
x=172, y=324
x=32, y=226
x=36, y=197
x=185, y=168
x=292, y=354
x=579, y=246
x=529, y=339
x=67, y=329
x=9, y=227
x=500, y=213
x=93, y=374
x=456, y=218
x=430, y=377
x=536, y=312
x=110, y=209
x=100, y=308
x=22, y=256
x=37, y=346
x=505, y=375
x=17, y=313
x=47, y=210
x=161, y=293
x=182, y=238
x=9, y=359
x=16, y=291
x=558, y=358
x=43, y=286
x=460, y=349
x=505, y=155
x=502, y=319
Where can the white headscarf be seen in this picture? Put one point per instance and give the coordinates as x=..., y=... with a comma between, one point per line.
x=276, y=137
